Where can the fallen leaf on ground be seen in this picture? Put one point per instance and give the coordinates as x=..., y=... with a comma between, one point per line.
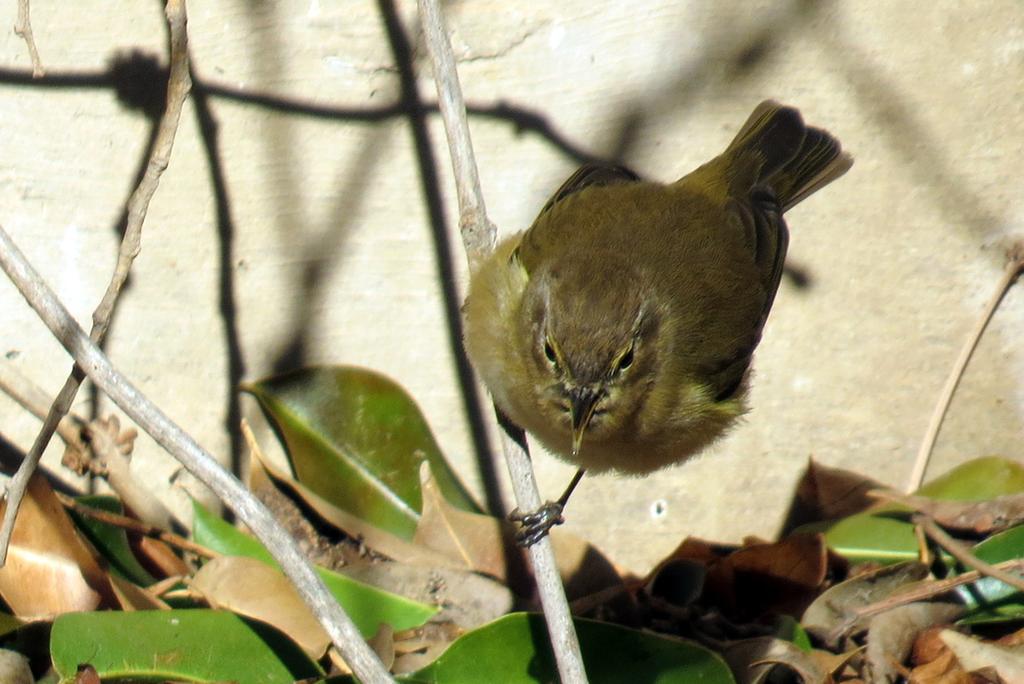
x=254, y=589
x=477, y=542
x=159, y=557
x=133, y=597
x=834, y=608
x=49, y=568
x=934, y=663
x=980, y=517
x=825, y=493
x=752, y=660
x=892, y=634
x=977, y=655
x=485, y=544
x=417, y=648
x=757, y=578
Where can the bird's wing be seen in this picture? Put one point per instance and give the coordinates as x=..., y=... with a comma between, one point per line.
x=589, y=175
x=774, y=162
x=550, y=231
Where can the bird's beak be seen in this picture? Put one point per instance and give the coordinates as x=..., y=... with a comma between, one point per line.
x=582, y=401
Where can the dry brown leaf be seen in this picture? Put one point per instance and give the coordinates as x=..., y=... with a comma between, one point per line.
x=383, y=644
x=253, y=588
x=87, y=675
x=752, y=660
x=833, y=608
x=379, y=540
x=943, y=669
x=976, y=655
x=782, y=577
x=133, y=597
x=694, y=549
x=800, y=558
x=981, y=517
x=158, y=557
x=50, y=570
x=418, y=647
x=485, y=544
x=477, y=542
x=892, y=634
x=838, y=667
x=825, y=493
x=760, y=577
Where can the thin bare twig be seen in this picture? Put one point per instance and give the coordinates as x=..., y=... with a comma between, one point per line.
x=200, y=463
x=1013, y=270
x=112, y=448
x=106, y=447
x=136, y=526
x=928, y=590
x=179, y=83
x=30, y=397
x=23, y=29
x=478, y=237
x=963, y=554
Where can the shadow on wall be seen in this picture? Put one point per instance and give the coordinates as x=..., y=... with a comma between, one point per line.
x=733, y=58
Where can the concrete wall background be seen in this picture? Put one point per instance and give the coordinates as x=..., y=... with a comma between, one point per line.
x=333, y=254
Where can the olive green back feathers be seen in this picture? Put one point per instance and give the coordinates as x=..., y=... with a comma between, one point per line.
x=647, y=298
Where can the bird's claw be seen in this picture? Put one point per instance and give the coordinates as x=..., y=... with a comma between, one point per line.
x=535, y=525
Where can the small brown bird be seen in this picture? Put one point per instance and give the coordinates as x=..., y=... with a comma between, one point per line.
x=619, y=329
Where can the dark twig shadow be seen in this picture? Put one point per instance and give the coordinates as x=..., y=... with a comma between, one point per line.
x=412, y=104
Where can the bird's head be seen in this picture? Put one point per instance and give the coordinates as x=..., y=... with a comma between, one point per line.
x=593, y=348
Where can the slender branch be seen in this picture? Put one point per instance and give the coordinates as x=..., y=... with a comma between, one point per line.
x=136, y=526
x=106, y=452
x=926, y=590
x=31, y=398
x=963, y=554
x=200, y=463
x=112, y=449
x=478, y=237
x=23, y=29
x=1013, y=270
x=178, y=85
x=478, y=233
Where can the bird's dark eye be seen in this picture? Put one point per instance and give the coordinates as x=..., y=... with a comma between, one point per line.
x=549, y=351
x=626, y=360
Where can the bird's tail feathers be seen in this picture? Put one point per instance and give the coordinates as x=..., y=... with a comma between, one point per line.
x=775, y=148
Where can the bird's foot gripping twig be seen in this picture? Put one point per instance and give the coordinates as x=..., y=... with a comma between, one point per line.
x=535, y=525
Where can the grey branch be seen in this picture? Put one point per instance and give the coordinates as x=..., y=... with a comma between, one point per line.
x=478, y=237
x=179, y=84
x=23, y=28
x=178, y=443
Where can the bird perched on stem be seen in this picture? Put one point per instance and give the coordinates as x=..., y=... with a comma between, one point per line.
x=619, y=328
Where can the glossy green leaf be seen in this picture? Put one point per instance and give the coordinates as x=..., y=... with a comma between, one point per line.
x=883, y=537
x=886, y=535
x=515, y=648
x=180, y=645
x=988, y=599
x=111, y=541
x=978, y=480
x=367, y=605
x=357, y=439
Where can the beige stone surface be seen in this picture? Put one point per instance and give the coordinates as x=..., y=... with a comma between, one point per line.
x=332, y=244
